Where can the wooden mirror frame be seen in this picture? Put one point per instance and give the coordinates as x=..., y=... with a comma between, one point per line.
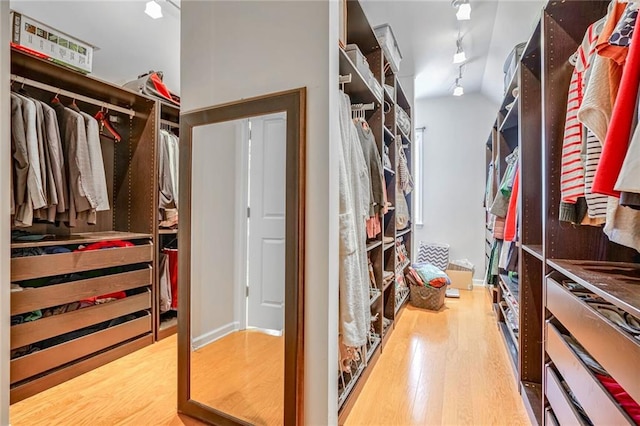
x=292, y=102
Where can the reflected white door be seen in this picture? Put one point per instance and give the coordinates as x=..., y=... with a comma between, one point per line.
x=267, y=189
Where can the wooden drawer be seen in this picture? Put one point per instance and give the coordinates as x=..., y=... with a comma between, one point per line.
x=550, y=418
x=599, y=405
x=48, y=265
x=60, y=375
x=561, y=404
x=45, y=297
x=45, y=328
x=617, y=352
x=56, y=356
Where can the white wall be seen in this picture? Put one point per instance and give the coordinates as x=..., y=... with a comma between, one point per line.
x=5, y=155
x=239, y=49
x=213, y=233
x=454, y=173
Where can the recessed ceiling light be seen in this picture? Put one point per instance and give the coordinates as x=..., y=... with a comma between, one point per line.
x=153, y=9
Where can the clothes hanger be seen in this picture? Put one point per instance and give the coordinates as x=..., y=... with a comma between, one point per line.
x=102, y=117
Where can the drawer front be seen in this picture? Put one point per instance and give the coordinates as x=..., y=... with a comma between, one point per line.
x=45, y=328
x=599, y=405
x=550, y=418
x=26, y=268
x=617, y=352
x=560, y=402
x=56, y=356
x=60, y=294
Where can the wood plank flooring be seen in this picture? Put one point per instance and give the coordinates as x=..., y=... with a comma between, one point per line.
x=446, y=368
x=443, y=368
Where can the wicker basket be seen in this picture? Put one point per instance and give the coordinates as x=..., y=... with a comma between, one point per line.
x=428, y=297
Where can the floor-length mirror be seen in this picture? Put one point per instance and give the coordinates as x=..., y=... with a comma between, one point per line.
x=240, y=356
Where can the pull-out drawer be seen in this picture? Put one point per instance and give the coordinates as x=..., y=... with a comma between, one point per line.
x=561, y=403
x=60, y=294
x=56, y=356
x=26, y=268
x=616, y=351
x=599, y=405
x=550, y=418
x=45, y=328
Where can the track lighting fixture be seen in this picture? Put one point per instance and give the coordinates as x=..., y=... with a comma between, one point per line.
x=464, y=9
x=458, y=89
x=153, y=9
x=459, y=56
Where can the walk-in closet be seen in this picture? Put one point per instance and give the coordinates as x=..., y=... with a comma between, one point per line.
x=331, y=212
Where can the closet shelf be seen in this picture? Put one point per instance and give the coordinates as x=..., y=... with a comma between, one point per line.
x=402, y=99
x=510, y=326
x=388, y=96
x=404, y=232
x=373, y=245
x=616, y=282
x=81, y=238
x=511, y=287
x=388, y=284
x=374, y=296
x=511, y=119
x=404, y=135
x=534, y=250
x=388, y=132
x=532, y=395
x=508, y=97
x=510, y=344
x=359, y=89
x=389, y=245
x=167, y=231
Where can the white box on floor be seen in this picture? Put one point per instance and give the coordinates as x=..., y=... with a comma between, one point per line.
x=460, y=279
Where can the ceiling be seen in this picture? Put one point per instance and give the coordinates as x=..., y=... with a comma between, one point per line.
x=427, y=31
x=131, y=43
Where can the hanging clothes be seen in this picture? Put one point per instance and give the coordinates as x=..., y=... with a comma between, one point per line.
x=354, y=189
x=404, y=183
x=172, y=266
x=620, y=129
x=168, y=179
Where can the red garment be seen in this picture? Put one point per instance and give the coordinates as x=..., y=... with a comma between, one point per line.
x=615, y=147
x=99, y=246
x=172, y=258
x=373, y=226
x=511, y=224
x=621, y=396
x=105, y=245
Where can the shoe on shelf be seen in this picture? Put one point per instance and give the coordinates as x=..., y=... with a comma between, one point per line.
x=387, y=240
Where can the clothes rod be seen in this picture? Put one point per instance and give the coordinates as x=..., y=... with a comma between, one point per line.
x=169, y=123
x=363, y=107
x=67, y=94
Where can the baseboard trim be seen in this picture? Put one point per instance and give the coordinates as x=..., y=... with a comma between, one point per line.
x=214, y=335
x=478, y=283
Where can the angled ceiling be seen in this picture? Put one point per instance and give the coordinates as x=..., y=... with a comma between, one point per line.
x=130, y=42
x=427, y=33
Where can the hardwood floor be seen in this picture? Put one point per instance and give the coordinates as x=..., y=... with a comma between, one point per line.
x=250, y=364
x=139, y=389
x=444, y=368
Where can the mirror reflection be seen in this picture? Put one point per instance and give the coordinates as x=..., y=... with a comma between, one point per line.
x=238, y=267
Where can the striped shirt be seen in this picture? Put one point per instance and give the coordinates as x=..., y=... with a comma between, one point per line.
x=597, y=203
x=572, y=180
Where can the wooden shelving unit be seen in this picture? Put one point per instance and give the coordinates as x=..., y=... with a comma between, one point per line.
x=68, y=340
x=554, y=256
x=391, y=298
